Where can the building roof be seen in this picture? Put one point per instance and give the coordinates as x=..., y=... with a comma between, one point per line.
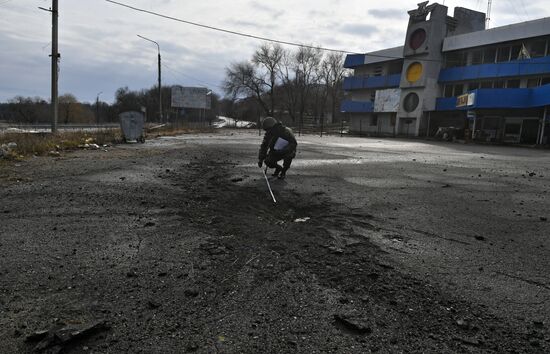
x=529, y=29
x=379, y=56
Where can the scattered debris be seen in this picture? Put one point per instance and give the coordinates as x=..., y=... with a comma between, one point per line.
x=149, y=224
x=237, y=179
x=152, y=305
x=353, y=325
x=543, y=218
x=54, y=340
x=306, y=219
x=480, y=238
x=462, y=323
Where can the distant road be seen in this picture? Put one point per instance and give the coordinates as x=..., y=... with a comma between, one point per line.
x=40, y=128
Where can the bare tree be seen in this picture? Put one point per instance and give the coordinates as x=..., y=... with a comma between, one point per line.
x=306, y=68
x=289, y=86
x=332, y=73
x=267, y=59
x=243, y=80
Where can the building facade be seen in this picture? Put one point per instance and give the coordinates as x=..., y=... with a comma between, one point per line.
x=452, y=73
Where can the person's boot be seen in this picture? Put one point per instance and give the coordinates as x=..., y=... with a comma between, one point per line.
x=278, y=170
x=282, y=175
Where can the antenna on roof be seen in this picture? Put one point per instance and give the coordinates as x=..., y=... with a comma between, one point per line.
x=488, y=15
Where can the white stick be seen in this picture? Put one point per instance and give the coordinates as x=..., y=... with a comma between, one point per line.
x=268, y=185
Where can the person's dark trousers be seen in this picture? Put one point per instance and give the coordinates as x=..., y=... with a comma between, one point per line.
x=273, y=157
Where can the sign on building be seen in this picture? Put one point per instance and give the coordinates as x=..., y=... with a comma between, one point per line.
x=467, y=99
x=387, y=100
x=191, y=97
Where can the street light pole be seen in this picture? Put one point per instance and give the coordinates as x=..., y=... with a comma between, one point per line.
x=97, y=107
x=159, y=76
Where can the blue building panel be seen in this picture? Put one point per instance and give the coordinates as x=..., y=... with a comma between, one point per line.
x=372, y=82
x=353, y=60
x=536, y=66
x=356, y=106
x=501, y=98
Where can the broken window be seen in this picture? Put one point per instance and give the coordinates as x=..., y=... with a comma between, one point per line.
x=486, y=84
x=499, y=84
x=545, y=80
x=533, y=82
x=473, y=86
x=516, y=51
x=503, y=54
x=459, y=89
x=538, y=48
x=477, y=57
x=448, y=91
x=513, y=83
x=489, y=55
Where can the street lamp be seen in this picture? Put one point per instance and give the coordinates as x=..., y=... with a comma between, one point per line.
x=160, y=84
x=97, y=107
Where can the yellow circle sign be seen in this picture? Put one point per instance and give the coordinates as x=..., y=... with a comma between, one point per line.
x=414, y=72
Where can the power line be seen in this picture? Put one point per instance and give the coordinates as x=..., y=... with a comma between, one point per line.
x=242, y=34
x=191, y=77
x=285, y=42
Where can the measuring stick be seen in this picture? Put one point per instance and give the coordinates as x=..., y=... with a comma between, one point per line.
x=268, y=185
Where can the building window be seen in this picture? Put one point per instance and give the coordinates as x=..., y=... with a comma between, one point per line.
x=503, y=54
x=459, y=89
x=448, y=91
x=489, y=55
x=538, y=49
x=486, y=84
x=513, y=83
x=374, y=120
x=516, y=51
x=499, y=84
x=473, y=86
x=545, y=81
x=533, y=82
x=477, y=57
x=392, y=120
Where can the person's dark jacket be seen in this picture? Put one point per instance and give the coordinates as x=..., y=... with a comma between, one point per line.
x=271, y=136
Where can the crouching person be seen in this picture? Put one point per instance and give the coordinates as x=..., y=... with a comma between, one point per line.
x=279, y=144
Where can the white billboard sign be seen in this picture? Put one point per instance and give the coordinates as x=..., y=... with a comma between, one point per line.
x=387, y=100
x=191, y=97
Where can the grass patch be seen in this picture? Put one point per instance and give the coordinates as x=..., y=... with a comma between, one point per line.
x=38, y=144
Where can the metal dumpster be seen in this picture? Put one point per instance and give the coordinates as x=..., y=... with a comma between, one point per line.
x=132, y=124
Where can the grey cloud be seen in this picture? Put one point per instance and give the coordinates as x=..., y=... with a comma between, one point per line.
x=388, y=13
x=273, y=12
x=359, y=29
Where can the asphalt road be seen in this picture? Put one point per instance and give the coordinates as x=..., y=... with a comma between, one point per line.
x=404, y=246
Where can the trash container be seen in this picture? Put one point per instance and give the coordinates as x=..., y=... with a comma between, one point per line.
x=132, y=124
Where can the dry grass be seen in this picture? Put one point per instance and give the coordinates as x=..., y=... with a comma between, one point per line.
x=39, y=144
x=29, y=144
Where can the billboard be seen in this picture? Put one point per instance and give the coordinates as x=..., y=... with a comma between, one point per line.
x=191, y=97
x=387, y=100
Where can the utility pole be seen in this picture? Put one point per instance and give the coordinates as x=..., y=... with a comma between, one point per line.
x=160, y=82
x=55, y=60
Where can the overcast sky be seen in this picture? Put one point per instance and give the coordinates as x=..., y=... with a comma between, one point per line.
x=101, y=52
